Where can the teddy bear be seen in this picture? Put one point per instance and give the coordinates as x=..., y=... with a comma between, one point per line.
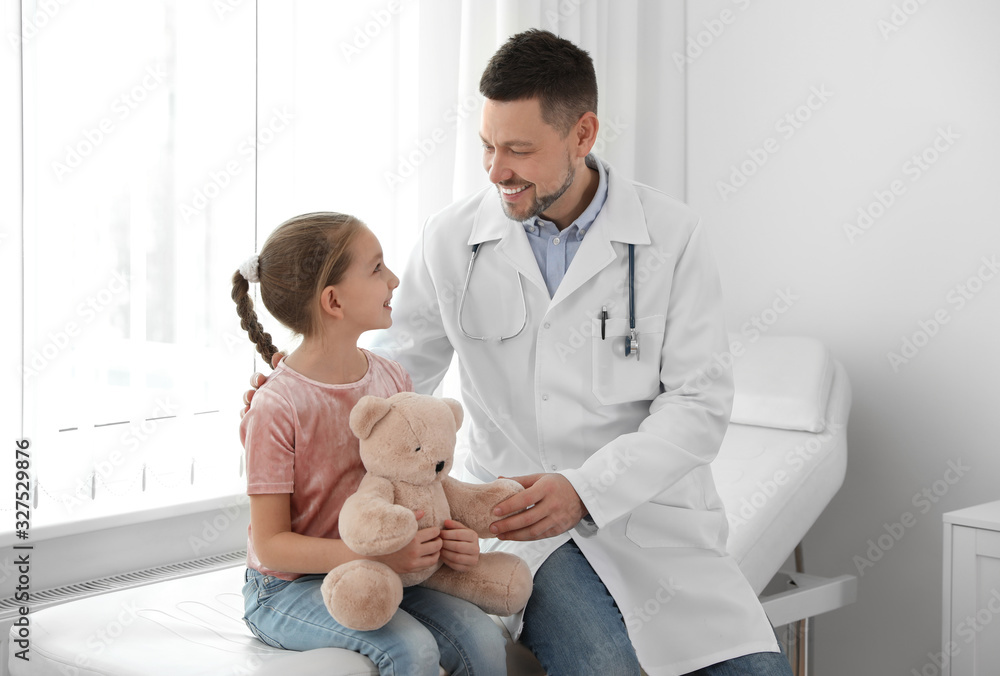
x=407, y=446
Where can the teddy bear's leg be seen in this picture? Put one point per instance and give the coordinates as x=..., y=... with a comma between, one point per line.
x=500, y=583
x=362, y=595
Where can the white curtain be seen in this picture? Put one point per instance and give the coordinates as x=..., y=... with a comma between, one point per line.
x=641, y=90
x=368, y=107
x=387, y=99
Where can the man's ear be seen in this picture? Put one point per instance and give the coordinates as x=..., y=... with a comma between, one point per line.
x=329, y=303
x=585, y=133
x=368, y=411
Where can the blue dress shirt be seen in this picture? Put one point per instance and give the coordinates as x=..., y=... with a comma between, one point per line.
x=554, y=250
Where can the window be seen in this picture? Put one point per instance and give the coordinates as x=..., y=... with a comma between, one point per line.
x=139, y=180
x=156, y=136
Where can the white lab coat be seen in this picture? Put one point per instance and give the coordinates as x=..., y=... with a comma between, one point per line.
x=634, y=436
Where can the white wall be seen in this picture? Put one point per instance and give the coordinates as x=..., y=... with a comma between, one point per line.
x=893, y=73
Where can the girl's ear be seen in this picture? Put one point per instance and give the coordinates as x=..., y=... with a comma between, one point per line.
x=329, y=303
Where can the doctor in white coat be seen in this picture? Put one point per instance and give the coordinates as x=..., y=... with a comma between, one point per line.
x=614, y=450
x=626, y=533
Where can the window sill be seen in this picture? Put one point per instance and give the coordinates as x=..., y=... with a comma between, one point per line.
x=94, y=518
x=101, y=546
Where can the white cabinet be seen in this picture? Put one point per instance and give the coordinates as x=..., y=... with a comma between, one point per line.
x=971, y=609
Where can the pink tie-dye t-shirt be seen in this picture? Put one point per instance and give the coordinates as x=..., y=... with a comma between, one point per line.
x=298, y=441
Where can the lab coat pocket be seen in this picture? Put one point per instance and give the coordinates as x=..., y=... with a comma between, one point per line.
x=655, y=525
x=619, y=379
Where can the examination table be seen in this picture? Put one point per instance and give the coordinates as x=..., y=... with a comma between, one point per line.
x=782, y=460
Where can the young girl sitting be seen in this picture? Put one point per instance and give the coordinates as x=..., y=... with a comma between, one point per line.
x=323, y=277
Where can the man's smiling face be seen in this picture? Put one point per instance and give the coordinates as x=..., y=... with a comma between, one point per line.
x=528, y=159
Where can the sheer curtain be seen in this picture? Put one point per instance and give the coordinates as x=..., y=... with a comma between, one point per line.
x=641, y=91
x=158, y=135
x=387, y=99
x=138, y=143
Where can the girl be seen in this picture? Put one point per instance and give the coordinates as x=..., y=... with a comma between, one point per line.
x=322, y=276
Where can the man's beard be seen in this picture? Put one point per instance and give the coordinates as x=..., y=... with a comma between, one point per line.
x=542, y=202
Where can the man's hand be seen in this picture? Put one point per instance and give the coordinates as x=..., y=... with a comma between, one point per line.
x=459, y=546
x=256, y=380
x=555, y=508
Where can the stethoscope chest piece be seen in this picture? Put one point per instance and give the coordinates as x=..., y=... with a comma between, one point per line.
x=626, y=346
x=632, y=344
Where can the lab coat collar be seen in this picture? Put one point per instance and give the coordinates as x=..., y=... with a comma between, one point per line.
x=491, y=223
x=621, y=220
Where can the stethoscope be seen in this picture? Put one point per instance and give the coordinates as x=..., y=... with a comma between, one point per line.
x=631, y=342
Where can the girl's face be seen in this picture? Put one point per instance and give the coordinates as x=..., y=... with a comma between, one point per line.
x=366, y=288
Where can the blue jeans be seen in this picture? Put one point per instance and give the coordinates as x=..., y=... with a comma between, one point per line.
x=574, y=627
x=431, y=628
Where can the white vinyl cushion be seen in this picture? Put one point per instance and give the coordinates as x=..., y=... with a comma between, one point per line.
x=775, y=483
x=782, y=382
x=191, y=626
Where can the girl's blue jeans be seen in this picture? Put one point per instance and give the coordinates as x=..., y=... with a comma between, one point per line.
x=431, y=628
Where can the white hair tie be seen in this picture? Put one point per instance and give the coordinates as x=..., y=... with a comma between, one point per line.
x=250, y=268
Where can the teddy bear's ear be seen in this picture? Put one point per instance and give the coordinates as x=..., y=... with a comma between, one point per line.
x=456, y=409
x=368, y=411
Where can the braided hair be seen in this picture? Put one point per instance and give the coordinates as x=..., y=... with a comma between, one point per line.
x=303, y=255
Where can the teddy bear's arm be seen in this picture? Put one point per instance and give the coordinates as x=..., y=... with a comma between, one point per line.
x=370, y=524
x=472, y=504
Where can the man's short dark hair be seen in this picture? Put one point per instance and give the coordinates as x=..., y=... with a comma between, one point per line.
x=538, y=64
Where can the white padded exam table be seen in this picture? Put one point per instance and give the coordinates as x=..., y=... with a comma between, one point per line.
x=782, y=460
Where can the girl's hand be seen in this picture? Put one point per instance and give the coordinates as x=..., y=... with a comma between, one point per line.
x=459, y=546
x=421, y=552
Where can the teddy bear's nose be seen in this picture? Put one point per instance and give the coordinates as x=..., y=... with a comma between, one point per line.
x=439, y=467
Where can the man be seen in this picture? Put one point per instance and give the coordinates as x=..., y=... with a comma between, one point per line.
x=612, y=439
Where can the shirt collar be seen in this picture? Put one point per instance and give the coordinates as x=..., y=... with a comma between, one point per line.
x=589, y=215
